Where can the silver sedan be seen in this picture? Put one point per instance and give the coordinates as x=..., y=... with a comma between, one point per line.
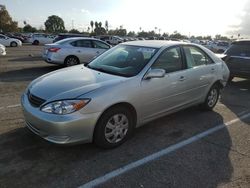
x=124, y=88
x=73, y=51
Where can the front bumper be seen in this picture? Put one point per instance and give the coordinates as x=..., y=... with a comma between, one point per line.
x=59, y=129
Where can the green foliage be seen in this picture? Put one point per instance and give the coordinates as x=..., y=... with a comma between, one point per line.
x=6, y=22
x=74, y=31
x=54, y=24
x=29, y=29
x=119, y=32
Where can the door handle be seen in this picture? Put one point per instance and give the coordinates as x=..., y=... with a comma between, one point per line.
x=79, y=51
x=182, y=78
x=212, y=69
x=97, y=52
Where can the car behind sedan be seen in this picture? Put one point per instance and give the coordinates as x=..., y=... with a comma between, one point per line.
x=124, y=88
x=237, y=58
x=73, y=51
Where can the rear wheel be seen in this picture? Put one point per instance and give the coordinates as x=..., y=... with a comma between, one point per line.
x=71, y=60
x=36, y=42
x=212, y=98
x=13, y=44
x=113, y=128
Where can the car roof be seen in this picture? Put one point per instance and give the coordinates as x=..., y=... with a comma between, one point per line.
x=153, y=43
x=242, y=41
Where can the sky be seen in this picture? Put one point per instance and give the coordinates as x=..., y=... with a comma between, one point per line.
x=189, y=17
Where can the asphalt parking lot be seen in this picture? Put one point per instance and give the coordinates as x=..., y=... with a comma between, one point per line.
x=191, y=148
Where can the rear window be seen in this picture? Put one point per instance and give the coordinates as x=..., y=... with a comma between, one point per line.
x=239, y=50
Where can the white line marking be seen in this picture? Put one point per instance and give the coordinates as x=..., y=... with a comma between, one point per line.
x=10, y=106
x=14, y=106
x=159, y=154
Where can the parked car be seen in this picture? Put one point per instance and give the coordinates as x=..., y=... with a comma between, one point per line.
x=6, y=41
x=74, y=51
x=113, y=40
x=219, y=47
x=125, y=87
x=237, y=58
x=67, y=35
x=15, y=37
x=2, y=50
x=40, y=38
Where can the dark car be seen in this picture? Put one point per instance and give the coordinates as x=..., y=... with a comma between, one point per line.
x=237, y=58
x=67, y=35
x=15, y=37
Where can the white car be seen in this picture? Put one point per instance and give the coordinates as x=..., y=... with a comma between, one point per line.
x=72, y=51
x=41, y=38
x=6, y=41
x=113, y=40
x=2, y=50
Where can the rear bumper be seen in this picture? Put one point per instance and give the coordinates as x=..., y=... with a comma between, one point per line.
x=50, y=58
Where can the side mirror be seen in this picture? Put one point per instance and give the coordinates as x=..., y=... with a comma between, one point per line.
x=155, y=73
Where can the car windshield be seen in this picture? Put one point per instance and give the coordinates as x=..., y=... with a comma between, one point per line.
x=123, y=60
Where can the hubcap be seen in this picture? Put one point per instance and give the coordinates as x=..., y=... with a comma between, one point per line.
x=212, y=98
x=116, y=128
x=72, y=61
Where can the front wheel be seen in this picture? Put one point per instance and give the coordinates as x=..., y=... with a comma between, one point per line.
x=211, y=98
x=13, y=44
x=113, y=128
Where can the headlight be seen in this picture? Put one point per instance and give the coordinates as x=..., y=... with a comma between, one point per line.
x=64, y=106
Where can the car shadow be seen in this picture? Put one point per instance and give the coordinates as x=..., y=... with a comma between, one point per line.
x=27, y=160
x=28, y=59
x=236, y=96
x=26, y=74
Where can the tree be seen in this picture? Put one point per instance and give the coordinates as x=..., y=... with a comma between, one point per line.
x=54, y=24
x=74, y=31
x=92, y=26
x=6, y=22
x=106, y=25
x=131, y=34
x=96, y=24
x=29, y=29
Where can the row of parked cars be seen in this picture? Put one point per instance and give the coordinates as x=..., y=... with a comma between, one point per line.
x=119, y=88
x=78, y=50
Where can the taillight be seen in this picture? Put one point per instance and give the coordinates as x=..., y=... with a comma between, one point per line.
x=53, y=49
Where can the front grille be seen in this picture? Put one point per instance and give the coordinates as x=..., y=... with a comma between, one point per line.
x=34, y=100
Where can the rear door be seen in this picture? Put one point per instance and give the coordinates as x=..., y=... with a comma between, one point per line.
x=84, y=50
x=201, y=72
x=99, y=47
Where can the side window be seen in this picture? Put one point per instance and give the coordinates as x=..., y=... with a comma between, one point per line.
x=170, y=60
x=195, y=57
x=2, y=37
x=82, y=43
x=98, y=44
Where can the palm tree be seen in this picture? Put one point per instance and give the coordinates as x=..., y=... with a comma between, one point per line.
x=92, y=25
x=100, y=24
x=106, y=25
x=96, y=24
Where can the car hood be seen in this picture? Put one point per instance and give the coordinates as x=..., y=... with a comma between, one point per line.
x=70, y=83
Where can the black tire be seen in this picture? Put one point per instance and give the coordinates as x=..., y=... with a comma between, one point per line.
x=230, y=79
x=36, y=42
x=211, y=98
x=102, y=130
x=13, y=44
x=71, y=60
